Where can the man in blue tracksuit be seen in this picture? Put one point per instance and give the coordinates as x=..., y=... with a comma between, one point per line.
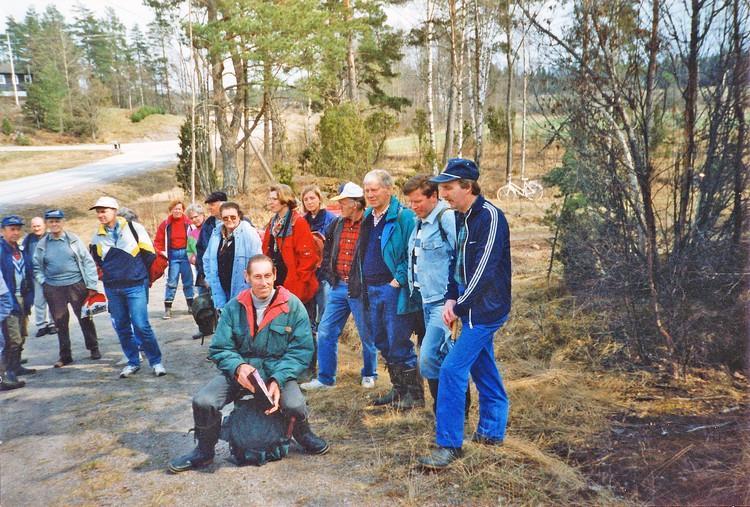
x=479, y=294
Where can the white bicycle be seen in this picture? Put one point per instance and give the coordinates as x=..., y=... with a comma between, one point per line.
x=531, y=190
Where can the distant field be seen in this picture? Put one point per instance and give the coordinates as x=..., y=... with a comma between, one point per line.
x=19, y=164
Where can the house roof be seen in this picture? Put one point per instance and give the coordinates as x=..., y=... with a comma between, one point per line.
x=5, y=69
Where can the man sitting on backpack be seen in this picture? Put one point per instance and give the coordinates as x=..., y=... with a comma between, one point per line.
x=263, y=329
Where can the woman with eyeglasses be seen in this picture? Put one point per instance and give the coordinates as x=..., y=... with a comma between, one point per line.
x=289, y=242
x=229, y=249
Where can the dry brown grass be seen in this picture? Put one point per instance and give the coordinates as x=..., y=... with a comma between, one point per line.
x=27, y=163
x=115, y=125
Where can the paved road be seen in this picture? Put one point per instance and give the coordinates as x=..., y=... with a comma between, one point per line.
x=133, y=159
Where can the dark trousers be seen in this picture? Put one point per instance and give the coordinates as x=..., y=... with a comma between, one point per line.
x=221, y=391
x=58, y=298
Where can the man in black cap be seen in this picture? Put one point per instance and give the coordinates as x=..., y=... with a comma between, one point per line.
x=479, y=294
x=213, y=207
x=17, y=269
x=65, y=270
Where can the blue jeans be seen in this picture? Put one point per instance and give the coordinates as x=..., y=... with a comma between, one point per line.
x=472, y=353
x=436, y=342
x=128, y=308
x=179, y=267
x=390, y=331
x=337, y=309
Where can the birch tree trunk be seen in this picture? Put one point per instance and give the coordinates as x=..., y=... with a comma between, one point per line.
x=453, y=92
x=509, y=93
x=430, y=91
x=351, y=70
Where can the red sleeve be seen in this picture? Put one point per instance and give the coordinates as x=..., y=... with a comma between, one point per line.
x=305, y=251
x=267, y=241
x=159, y=238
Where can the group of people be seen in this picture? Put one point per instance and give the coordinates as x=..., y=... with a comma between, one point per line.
x=283, y=295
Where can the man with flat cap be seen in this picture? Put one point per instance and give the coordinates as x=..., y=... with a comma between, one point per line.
x=18, y=274
x=478, y=293
x=66, y=272
x=123, y=250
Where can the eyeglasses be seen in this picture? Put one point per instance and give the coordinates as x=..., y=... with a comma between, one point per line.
x=230, y=218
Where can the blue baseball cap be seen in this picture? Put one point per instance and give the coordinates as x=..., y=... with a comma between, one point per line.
x=54, y=213
x=457, y=169
x=12, y=220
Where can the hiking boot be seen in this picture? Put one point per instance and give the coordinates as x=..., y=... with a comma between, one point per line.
x=42, y=331
x=129, y=370
x=8, y=382
x=440, y=458
x=159, y=370
x=62, y=362
x=310, y=442
x=313, y=385
x=96, y=354
x=52, y=329
x=22, y=370
x=197, y=336
x=201, y=456
x=167, y=310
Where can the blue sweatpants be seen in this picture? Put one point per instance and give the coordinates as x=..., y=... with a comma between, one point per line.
x=473, y=354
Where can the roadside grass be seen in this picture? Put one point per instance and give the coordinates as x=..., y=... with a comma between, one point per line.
x=29, y=163
x=115, y=125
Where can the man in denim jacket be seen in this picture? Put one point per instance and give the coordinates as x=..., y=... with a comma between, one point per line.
x=432, y=245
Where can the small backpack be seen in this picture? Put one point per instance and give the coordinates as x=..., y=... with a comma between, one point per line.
x=255, y=438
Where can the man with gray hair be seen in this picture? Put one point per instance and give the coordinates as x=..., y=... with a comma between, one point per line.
x=380, y=276
x=42, y=318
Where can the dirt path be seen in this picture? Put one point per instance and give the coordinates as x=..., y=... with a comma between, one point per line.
x=80, y=435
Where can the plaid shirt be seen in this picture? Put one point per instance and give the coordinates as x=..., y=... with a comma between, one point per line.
x=347, y=244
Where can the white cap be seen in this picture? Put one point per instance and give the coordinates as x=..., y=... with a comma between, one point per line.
x=106, y=202
x=351, y=190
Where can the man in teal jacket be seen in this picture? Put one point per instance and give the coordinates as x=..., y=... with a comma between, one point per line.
x=380, y=276
x=263, y=329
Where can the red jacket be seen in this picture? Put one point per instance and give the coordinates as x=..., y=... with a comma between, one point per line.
x=300, y=255
x=161, y=240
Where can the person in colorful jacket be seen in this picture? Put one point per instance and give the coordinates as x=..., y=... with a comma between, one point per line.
x=288, y=241
x=18, y=271
x=379, y=275
x=171, y=240
x=197, y=215
x=65, y=270
x=479, y=294
x=124, y=260
x=232, y=244
x=265, y=328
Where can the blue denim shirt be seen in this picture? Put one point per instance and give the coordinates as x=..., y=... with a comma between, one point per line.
x=435, y=257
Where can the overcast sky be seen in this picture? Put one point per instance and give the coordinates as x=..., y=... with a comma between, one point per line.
x=130, y=12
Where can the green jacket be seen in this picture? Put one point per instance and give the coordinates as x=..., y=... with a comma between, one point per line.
x=281, y=347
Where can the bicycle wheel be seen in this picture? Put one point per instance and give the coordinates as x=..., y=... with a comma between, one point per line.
x=534, y=190
x=504, y=192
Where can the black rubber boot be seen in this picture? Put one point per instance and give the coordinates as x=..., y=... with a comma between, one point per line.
x=392, y=396
x=412, y=390
x=310, y=442
x=8, y=379
x=433, y=385
x=202, y=455
x=167, y=310
x=18, y=368
x=189, y=305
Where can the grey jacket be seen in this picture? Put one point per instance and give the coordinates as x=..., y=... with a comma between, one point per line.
x=86, y=263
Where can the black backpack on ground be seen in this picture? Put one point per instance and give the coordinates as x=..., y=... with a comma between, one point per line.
x=255, y=438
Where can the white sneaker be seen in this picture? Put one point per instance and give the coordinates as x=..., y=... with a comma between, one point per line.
x=368, y=382
x=159, y=370
x=315, y=384
x=129, y=370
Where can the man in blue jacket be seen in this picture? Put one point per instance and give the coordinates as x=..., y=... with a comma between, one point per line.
x=379, y=275
x=478, y=294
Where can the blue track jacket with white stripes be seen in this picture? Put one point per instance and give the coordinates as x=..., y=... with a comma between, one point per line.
x=486, y=297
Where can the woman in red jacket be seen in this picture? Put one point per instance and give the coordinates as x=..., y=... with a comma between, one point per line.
x=171, y=241
x=289, y=242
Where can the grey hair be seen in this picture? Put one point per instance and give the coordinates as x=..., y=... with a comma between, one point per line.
x=379, y=176
x=198, y=208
